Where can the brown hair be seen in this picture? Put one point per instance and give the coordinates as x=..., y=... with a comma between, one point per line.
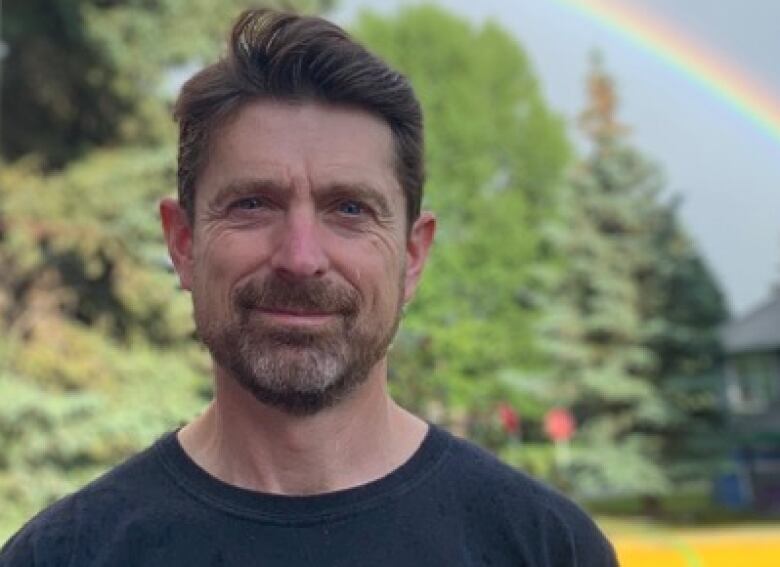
x=285, y=56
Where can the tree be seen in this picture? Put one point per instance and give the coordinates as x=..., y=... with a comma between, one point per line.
x=96, y=350
x=495, y=155
x=684, y=307
x=602, y=368
x=633, y=325
x=83, y=74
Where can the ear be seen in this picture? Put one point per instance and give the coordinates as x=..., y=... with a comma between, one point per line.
x=418, y=244
x=178, y=235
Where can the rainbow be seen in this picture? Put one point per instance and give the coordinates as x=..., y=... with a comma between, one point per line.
x=703, y=67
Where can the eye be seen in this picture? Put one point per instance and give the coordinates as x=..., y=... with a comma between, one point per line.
x=351, y=208
x=248, y=204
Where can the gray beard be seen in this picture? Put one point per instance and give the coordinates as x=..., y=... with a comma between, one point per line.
x=296, y=371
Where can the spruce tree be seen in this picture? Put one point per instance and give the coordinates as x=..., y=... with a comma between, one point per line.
x=602, y=366
x=633, y=326
x=683, y=308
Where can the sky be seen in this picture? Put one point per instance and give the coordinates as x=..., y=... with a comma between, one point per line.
x=724, y=165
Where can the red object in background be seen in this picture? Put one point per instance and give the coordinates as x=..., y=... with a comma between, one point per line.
x=510, y=420
x=559, y=424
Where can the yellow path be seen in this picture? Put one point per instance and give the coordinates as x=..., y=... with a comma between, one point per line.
x=717, y=547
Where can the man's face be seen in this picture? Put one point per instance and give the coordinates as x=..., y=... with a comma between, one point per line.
x=298, y=259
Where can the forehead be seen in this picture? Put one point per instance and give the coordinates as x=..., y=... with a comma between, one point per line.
x=309, y=143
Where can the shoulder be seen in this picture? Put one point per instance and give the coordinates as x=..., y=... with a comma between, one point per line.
x=532, y=513
x=47, y=539
x=52, y=536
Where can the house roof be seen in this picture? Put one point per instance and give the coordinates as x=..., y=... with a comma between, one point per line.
x=758, y=330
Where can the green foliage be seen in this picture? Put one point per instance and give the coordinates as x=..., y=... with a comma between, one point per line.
x=96, y=350
x=88, y=247
x=495, y=154
x=82, y=74
x=537, y=459
x=540, y=291
x=54, y=441
x=632, y=327
x=684, y=309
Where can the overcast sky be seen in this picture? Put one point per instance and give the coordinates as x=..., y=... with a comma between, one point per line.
x=726, y=168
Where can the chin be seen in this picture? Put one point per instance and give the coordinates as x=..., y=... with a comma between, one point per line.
x=299, y=402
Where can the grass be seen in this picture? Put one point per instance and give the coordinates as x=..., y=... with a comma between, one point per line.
x=693, y=508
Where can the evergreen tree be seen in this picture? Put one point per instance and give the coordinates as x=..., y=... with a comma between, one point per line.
x=684, y=308
x=96, y=350
x=82, y=74
x=633, y=329
x=603, y=368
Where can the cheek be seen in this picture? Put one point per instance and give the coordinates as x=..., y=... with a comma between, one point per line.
x=375, y=267
x=223, y=261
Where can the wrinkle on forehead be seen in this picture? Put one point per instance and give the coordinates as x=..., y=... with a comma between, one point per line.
x=304, y=145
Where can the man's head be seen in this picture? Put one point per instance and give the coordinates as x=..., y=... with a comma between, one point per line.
x=286, y=57
x=305, y=239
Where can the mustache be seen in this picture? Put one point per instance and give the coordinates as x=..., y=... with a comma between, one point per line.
x=274, y=293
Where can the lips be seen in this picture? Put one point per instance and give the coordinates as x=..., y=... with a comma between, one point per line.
x=288, y=317
x=294, y=312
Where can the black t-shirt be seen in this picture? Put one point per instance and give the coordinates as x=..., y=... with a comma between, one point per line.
x=452, y=504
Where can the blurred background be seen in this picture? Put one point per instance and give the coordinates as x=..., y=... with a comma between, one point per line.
x=602, y=308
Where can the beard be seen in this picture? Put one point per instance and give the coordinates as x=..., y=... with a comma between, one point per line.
x=298, y=370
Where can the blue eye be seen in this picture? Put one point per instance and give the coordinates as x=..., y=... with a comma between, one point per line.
x=352, y=208
x=249, y=203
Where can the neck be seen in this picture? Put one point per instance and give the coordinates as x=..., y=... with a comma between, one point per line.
x=251, y=445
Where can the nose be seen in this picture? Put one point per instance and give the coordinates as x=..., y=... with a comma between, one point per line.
x=298, y=248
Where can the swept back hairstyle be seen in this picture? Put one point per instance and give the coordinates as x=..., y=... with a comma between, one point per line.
x=284, y=56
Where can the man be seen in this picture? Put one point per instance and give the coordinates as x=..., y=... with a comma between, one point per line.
x=298, y=232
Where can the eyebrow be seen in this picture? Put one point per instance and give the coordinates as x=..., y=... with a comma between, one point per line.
x=243, y=187
x=358, y=190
